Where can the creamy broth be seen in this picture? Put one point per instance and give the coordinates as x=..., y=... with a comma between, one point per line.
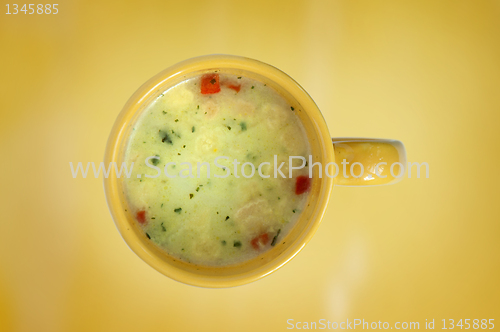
x=203, y=219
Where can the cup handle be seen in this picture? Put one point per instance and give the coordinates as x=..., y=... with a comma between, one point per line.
x=368, y=161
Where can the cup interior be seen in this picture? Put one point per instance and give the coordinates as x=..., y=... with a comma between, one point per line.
x=264, y=264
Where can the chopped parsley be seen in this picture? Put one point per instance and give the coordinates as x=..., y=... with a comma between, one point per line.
x=149, y=237
x=243, y=126
x=275, y=237
x=291, y=107
x=191, y=196
x=192, y=129
x=165, y=138
x=237, y=244
x=178, y=210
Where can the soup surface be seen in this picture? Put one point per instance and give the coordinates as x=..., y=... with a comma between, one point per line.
x=194, y=149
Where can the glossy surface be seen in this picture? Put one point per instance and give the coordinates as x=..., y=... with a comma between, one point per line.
x=319, y=144
x=368, y=162
x=424, y=72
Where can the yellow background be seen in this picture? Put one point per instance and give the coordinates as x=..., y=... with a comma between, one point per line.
x=424, y=72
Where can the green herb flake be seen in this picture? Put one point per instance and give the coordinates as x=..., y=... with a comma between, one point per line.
x=178, y=210
x=165, y=138
x=163, y=228
x=213, y=81
x=198, y=189
x=293, y=109
x=228, y=127
x=253, y=87
x=275, y=237
x=227, y=217
x=293, y=211
x=191, y=196
x=198, y=107
x=192, y=129
x=239, y=77
x=176, y=120
x=243, y=126
x=223, y=242
x=155, y=161
x=149, y=237
x=237, y=244
x=164, y=112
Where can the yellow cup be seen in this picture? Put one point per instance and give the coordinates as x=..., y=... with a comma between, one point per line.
x=365, y=156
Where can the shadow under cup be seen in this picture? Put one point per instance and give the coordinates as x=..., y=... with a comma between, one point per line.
x=289, y=245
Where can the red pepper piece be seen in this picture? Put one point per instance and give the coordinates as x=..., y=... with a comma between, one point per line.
x=210, y=84
x=259, y=240
x=234, y=87
x=141, y=217
x=302, y=184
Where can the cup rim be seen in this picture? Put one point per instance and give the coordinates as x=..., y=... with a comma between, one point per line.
x=117, y=135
